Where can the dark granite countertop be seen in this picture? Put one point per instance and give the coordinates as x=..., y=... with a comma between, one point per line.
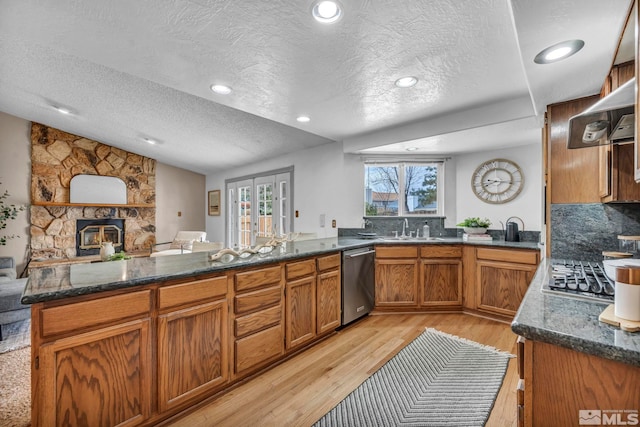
x=572, y=323
x=63, y=281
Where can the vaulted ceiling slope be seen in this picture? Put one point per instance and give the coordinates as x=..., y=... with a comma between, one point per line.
x=129, y=70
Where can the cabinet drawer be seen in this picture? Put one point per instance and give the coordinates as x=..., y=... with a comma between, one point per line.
x=437, y=251
x=259, y=320
x=300, y=269
x=184, y=293
x=66, y=318
x=397, y=252
x=257, y=278
x=508, y=255
x=259, y=348
x=328, y=262
x=257, y=299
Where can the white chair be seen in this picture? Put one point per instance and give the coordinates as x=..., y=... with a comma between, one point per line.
x=181, y=244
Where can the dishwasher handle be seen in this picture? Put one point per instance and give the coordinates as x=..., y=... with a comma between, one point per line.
x=358, y=254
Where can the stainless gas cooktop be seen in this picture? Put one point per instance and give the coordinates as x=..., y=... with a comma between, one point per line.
x=579, y=279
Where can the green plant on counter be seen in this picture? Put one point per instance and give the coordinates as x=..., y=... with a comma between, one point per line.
x=475, y=222
x=119, y=256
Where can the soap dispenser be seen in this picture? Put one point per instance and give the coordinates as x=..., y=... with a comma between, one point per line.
x=425, y=230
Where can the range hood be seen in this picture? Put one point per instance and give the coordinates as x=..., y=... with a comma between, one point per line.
x=609, y=121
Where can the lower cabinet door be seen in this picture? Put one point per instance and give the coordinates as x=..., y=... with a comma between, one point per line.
x=328, y=302
x=100, y=378
x=301, y=311
x=192, y=352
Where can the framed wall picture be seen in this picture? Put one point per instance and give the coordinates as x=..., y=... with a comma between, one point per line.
x=214, y=202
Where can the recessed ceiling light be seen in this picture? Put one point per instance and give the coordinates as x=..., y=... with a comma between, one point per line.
x=326, y=12
x=406, y=81
x=411, y=148
x=62, y=110
x=303, y=119
x=221, y=89
x=558, y=51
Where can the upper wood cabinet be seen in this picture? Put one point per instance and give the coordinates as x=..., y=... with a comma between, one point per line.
x=571, y=177
x=617, y=176
x=636, y=19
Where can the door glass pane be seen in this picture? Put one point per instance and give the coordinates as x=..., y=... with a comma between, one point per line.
x=421, y=190
x=244, y=217
x=284, y=229
x=382, y=184
x=265, y=210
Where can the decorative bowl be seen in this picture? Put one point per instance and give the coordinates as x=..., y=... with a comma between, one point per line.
x=475, y=230
x=610, y=266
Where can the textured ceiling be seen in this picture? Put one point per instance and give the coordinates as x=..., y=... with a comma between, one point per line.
x=135, y=69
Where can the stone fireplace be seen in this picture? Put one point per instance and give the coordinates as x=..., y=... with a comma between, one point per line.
x=57, y=157
x=92, y=232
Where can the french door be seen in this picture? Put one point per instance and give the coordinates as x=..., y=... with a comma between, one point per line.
x=258, y=207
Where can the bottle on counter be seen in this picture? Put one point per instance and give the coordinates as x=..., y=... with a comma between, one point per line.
x=425, y=230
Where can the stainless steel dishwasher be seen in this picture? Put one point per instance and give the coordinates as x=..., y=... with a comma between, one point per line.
x=358, y=284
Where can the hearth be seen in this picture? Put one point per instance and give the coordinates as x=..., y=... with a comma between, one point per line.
x=92, y=232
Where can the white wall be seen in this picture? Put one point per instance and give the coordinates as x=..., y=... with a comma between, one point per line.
x=179, y=201
x=326, y=181
x=15, y=167
x=528, y=204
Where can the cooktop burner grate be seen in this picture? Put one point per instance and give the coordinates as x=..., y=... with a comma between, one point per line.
x=581, y=279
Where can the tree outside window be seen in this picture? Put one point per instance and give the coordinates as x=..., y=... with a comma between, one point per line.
x=401, y=189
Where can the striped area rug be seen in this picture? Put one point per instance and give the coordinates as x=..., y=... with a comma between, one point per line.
x=437, y=380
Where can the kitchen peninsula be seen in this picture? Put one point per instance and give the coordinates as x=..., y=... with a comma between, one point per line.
x=137, y=341
x=569, y=361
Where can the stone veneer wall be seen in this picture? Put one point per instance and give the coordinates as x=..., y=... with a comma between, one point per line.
x=56, y=157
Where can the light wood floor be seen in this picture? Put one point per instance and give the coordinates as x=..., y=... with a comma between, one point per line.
x=301, y=390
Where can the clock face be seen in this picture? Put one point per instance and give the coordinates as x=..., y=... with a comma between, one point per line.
x=497, y=181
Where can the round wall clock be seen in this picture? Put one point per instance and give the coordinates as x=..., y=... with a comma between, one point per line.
x=497, y=181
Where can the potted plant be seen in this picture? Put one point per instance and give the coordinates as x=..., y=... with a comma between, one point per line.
x=7, y=212
x=475, y=225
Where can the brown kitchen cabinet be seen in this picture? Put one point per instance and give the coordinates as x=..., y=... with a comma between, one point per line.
x=617, y=168
x=90, y=367
x=441, y=276
x=396, y=276
x=258, y=318
x=502, y=278
x=328, y=293
x=301, y=302
x=556, y=383
x=192, y=340
x=312, y=299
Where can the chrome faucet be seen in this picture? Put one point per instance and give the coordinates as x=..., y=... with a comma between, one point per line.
x=405, y=225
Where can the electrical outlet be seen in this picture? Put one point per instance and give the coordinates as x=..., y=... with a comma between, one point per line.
x=179, y=213
x=333, y=223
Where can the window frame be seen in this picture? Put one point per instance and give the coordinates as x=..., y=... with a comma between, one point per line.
x=401, y=165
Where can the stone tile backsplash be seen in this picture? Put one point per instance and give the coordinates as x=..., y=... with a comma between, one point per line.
x=386, y=226
x=583, y=231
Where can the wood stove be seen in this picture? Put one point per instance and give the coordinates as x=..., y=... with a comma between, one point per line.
x=92, y=232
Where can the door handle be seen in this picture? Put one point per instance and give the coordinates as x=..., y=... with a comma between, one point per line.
x=360, y=254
